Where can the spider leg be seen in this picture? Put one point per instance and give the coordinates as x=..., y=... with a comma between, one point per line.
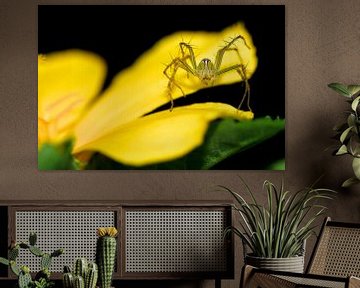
x=242, y=73
x=241, y=70
x=220, y=54
x=175, y=64
x=191, y=55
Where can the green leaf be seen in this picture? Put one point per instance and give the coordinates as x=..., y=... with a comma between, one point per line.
x=345, y=134
x=345, y=90
x=349, y=182
x=56, y=157
x=355, y=103
x=342, y=150
x=354, y=145
x=356, y=167
x=353, y=89
x=340, y=88
x=228, y=137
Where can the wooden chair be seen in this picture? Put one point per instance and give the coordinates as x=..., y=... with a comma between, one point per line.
x=335, y=262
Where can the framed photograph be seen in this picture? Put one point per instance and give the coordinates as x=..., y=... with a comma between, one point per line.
x=161, y=87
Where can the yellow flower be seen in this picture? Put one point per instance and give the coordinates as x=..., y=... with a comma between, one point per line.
x=119, y=125
x=106, y=231
x=67, y=82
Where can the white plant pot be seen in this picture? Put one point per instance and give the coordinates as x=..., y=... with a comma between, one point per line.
x=291, y=264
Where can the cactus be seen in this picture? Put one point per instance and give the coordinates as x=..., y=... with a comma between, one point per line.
x=91, y=276
x=68, y=280
x=4, y=261
x=14, y=268
x=24, y=277
x=79, y=282
x=42, y=278
x=32, y=238
x=13, y=253
x=80, y=268
x=106, y=254
x=84, y=274
x=36, y=251
x=45, y=261
x=57, y=252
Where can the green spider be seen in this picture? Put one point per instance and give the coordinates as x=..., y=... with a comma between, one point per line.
x=207, y=71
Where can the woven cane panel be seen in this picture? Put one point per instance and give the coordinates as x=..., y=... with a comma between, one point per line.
x=175, y=241
x=306, y=282
x=74, y=231
x=339, y=253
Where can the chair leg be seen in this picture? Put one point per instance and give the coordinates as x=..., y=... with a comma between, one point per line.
x=250, y=278
x=246, y=274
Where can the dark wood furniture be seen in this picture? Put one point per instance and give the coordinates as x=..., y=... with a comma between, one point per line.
x=157, y=240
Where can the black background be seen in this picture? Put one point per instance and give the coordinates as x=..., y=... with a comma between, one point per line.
x=120, y=33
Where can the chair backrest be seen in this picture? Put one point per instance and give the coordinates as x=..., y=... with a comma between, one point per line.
x=337, y=251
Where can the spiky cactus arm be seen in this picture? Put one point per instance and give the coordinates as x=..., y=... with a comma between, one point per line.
x=14, y=268
x=13, y=253
x=91, y=276
x=32, y=238
x=68, y=280
x=106, y=254
x=4, y=261
x=57, y=252
x=80, y=268
x=79, y=282
x=45, y=261
x=24, y=280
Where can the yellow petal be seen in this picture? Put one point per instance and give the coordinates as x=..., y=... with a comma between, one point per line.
x=162, y=136
x=143, y=87
x=67, y=82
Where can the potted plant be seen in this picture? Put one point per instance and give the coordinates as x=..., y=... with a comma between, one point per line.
x=275, y=233
x=348, y=133
x=42, y=278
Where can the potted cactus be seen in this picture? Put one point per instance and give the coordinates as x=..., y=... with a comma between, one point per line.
x=106, y=254
x=42, y=278
x=84, y=275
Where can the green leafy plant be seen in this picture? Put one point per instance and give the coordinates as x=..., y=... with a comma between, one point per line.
x=42, y=278
x=43, y=283
x=348, y=132
x=279, y=229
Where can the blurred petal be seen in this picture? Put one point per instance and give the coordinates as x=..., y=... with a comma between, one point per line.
x=161, y=136
x=67, y=82
x=142, y=87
